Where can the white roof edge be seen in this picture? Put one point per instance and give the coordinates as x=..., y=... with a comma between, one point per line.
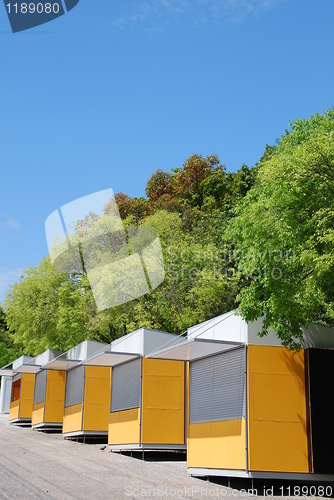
x=6, y=372
x=141, y=330
x=226, y=327
x=199, y=325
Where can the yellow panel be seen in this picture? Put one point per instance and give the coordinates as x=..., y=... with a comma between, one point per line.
x=72, y=418
x=163, y=402
x=124, y=427
x=55, y=396
x=14, y=410
x=38, y=414
x=97, y=398
x=217, y=445
x=27, y=395
x=277, y=410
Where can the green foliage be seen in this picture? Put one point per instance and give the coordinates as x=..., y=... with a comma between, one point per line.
x=46, y=309
x=188, y=179
x=159, y=184
x=195, y=287
x=7, y=350
x=260, y=239
x=244, y=180
x=284, y=232
x=214, y=188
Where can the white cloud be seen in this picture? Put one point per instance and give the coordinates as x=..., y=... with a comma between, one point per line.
x=159, y=13
x=12, y=223
x=8, y=277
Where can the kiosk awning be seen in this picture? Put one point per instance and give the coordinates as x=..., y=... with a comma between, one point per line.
x=6, y=373
x=62, y=365
x=109, y=358
x=193, y=349
x=28, y=368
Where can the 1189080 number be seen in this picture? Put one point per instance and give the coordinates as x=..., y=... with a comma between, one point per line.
x=31, y=8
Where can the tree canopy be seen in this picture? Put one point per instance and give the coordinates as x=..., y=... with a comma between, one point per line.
x=259, y=240
x=8, y=352
x=283, y=232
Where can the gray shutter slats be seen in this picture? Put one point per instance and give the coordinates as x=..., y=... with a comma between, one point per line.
x=126, y=386
x=40, y=387
x=217, y=387
x=75, y=383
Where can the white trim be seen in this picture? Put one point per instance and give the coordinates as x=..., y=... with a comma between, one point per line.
x=84, y=433
x=193, y=471
x=19, y=421
x=148, y=447
x=47, y=425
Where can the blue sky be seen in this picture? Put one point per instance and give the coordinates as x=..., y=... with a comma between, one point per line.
x=108, y=93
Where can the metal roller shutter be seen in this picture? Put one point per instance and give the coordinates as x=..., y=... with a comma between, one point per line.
x=217, y=387
x=126, y=386
x=75, y=383
x=40, y=387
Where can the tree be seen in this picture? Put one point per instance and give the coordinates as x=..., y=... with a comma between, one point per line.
x=215, y=186
x=244, y=180
x=189, y=178
x=138, y=207
x=158, y=185
x=195, y=287
x=284, y=233
x=45, y=309
x=7, y=350
x=123, y=203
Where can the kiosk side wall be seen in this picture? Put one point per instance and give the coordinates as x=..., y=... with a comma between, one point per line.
x=163, y=402
x=72, y=418
x=217, y=445
x=55, y=396
x=97, y=398
x=27, y=395
x=124, y=427
x=37, y=414
x=278, y=439
x=217, y=409
x=14, y=410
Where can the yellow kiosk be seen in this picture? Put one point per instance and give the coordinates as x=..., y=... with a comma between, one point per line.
x=147, y=409
x=22, y=395
x=49, y=395
x=256, y=409
x=87, y=392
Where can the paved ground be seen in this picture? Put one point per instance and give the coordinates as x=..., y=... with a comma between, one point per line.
x=44, y=466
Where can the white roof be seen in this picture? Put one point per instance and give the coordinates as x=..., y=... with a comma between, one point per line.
x=33, y=365
x=142, y=341
x=131, y=346
x=22, y=360
x=228, y=331
x=74, y=356
x=47, y=356
x=227, y=327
